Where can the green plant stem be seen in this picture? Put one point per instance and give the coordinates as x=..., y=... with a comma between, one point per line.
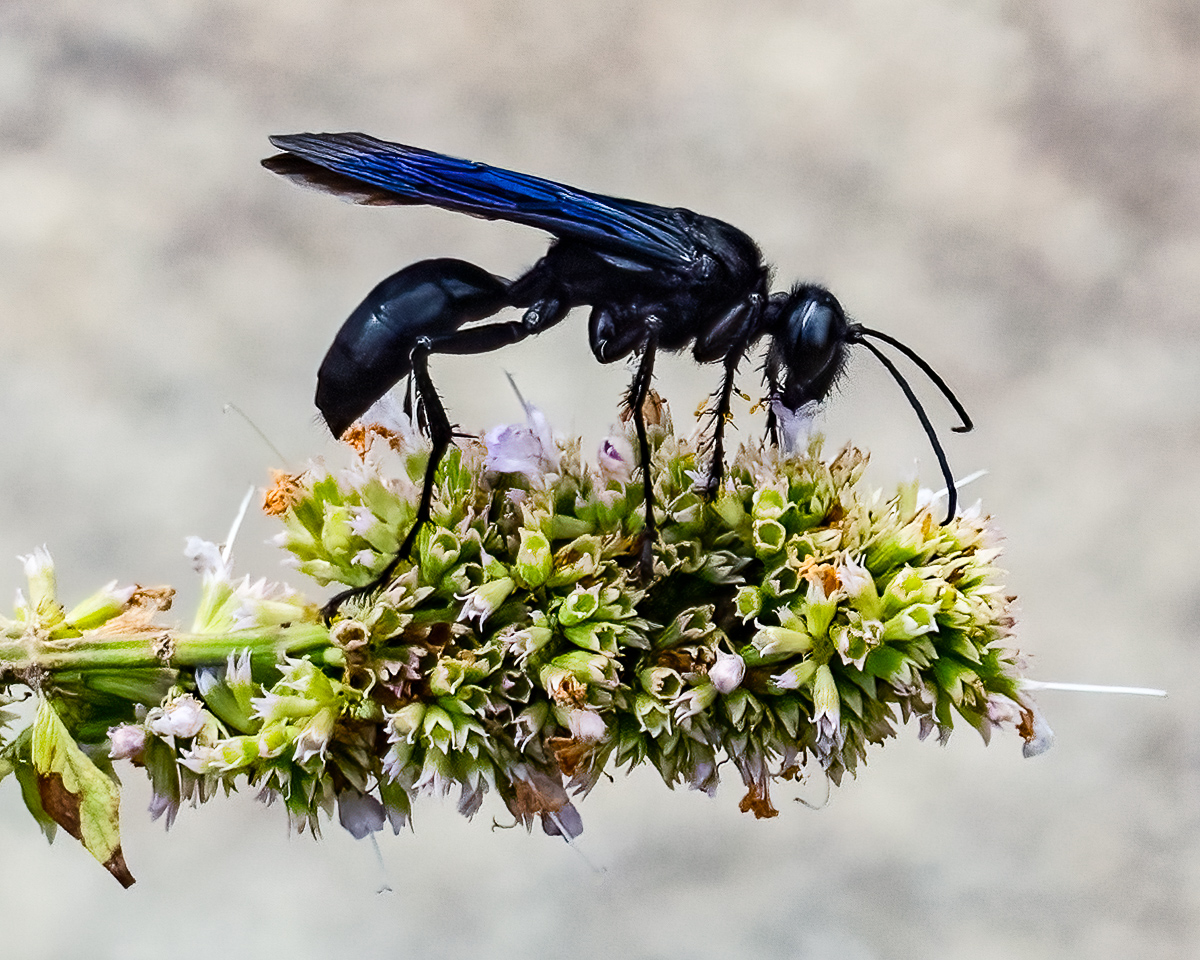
x=163, y=648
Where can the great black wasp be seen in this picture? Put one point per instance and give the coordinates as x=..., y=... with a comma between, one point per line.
x=656, y=278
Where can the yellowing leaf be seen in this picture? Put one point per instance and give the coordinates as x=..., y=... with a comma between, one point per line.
x=76, y=793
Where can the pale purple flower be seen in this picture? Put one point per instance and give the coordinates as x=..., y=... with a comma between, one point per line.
x=470, y=799
x=127, y=741
x=564, y=822
x=527, y=448
x=1028, y=720
x=1041, y=737
x=515, y=448
x=183, y=717
x=207, y=559
x=705, y=777
x=162, y=804
x=360, y=813
x=795, y=426
x=586, y=725
x=615, y=458
x=726, y=674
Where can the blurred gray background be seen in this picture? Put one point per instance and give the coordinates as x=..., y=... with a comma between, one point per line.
x=1011, y=188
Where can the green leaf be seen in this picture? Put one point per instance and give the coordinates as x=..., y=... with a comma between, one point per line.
x=75, y=793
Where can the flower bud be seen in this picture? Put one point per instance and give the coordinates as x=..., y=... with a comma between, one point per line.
x=911, y=622
x=773, y=640
x=730, y=510
x=820, y=608
x=407, y=720
x=438, y=727
x=108, y=602
x=694, y=700
x=797, y=676
x=439, y=552
x=535, y=560
x=314, y=737
x=651, y=714
x=827, y=714
x=486, y=599
x=662, y=682
x=530, y=721
x=43, y=588
x=580, y=558
x=524, y=643
x=229, y=691
x=899, y=546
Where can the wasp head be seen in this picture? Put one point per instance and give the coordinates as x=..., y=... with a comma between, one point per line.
x=808, y=346
x=809, y=335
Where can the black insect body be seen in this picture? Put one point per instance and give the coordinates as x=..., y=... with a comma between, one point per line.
x=655, y=279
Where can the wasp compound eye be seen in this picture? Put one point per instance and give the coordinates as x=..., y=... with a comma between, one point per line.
x=817, y=323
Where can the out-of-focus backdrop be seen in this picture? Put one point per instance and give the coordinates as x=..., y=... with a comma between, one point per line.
x=1011, y=188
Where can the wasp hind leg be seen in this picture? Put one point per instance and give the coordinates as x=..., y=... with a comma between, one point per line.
x=639, y=390
x=441, y=433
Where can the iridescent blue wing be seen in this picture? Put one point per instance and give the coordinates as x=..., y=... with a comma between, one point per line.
x=370, y=171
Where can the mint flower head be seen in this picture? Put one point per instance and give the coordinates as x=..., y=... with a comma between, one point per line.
x=791, y=623
x=798, y=616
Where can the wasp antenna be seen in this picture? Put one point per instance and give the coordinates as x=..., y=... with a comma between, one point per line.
x=512, y=382
x=234, y=408
x=932, y=374
x=951, y=489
